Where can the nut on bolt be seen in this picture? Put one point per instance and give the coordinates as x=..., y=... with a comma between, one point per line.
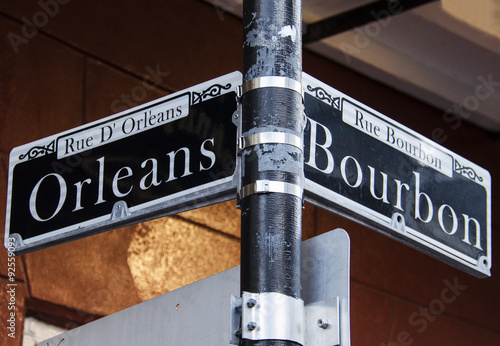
x=251, y=303
x=251, y=326
x=322, y=323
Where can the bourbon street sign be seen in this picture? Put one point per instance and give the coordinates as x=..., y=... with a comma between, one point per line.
x=367, y=167
x=166, y=156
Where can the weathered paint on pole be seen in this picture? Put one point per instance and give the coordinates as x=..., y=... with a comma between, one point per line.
x=271, y=221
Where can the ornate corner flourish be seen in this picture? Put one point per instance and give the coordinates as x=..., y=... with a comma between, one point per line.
x=467, y=171
x=214, y=91
x=322, y=95
x=39, y=151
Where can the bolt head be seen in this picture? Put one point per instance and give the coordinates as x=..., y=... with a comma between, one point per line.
x=322, y=323
x=251, y=326
x=251, y=303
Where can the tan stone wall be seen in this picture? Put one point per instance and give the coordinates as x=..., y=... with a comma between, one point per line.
x=90, y=59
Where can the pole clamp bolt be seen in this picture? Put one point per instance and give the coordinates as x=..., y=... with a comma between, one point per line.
x=251, y=326
x=322, y=323
x=251, y=303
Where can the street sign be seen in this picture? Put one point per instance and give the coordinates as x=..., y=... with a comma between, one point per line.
x=179, y=153
x=186, y=315
x=367, y=167
x=167, y=156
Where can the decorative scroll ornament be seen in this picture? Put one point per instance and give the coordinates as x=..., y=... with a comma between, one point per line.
x=322, y=95
x=214, y=91
x=39, y=151
x=467, y=171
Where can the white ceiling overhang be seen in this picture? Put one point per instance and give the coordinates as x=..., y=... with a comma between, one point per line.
x=429, y=52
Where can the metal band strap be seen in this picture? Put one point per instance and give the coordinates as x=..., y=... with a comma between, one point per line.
x=268, y=186
x=269, y=137
x=272, y=316
x=272, y=82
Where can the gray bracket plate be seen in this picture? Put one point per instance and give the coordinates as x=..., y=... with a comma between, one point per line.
x=200, y=313
x=322, y=321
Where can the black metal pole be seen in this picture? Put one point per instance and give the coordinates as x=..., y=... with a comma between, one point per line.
x=270, y=220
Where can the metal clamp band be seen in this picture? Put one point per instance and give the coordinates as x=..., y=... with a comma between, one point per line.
x=272, y=81
x=269, y=137
x=263, y=314
x=267, y=186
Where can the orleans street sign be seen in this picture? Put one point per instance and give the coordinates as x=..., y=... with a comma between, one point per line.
x=163, y=157
x=367, y=167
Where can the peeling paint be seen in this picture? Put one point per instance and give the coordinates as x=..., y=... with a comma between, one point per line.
x=289, y=30
x=267, y=38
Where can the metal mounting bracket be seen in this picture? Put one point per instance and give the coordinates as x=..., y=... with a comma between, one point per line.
x=15, y=241
x=323, y=323
x=270, y=82
x=255, y=317
x=120, y=211
x=398, y=223
x=268, y=186
x=269, y=138
x=262, y=317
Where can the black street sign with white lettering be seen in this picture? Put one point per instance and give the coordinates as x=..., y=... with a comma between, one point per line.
x=367, y=167
x=179, y=153
x=167, y=156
